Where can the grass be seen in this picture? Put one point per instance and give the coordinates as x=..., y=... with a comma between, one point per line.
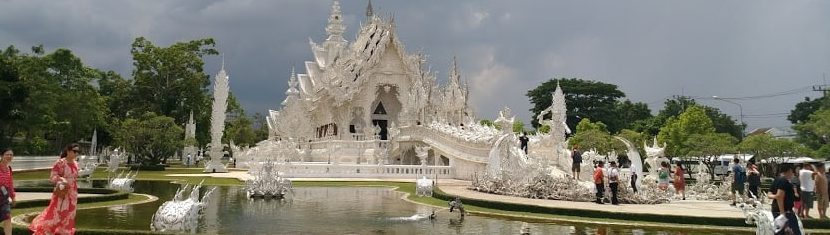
x=101, y=174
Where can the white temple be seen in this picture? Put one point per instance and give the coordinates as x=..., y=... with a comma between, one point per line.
x=350, y=87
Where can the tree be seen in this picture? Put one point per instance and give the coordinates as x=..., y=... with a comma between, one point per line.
x=815, y=132
x=707, y=147
x=518, y=126
x=594, y=135
x=766, y=147
x=674, y=107
x=585, y=99
x=170, y=81
x=676, y=132
x=13, y=93
x=802, y=110
x=631, y=114
x=150, y=138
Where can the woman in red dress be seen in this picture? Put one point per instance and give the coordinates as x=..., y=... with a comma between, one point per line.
x=6, y=190
x=59, y=216
x=680, y=180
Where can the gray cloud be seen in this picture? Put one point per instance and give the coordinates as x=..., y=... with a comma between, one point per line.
x=651, y=49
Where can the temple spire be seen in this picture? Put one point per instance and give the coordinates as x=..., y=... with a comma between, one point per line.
x=369, y=12
x=335, y=27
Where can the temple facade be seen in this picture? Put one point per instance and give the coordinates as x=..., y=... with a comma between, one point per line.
x=360, y=89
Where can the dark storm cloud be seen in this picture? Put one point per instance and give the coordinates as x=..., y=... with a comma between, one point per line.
x=651, y=49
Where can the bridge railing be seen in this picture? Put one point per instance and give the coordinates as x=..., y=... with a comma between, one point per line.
x=476, y=151
x=311, y=170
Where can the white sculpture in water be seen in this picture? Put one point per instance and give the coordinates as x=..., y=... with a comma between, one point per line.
x=123, y=182
x=181, y=214
x=423, y=187
x=217, y=122
x=267, y=181
x=87, y=166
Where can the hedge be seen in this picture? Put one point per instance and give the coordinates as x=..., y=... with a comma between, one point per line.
x=102, y=195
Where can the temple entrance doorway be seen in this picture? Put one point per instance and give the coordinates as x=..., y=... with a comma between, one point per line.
x=383, y=124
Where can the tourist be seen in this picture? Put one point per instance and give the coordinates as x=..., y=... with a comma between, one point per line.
x=59, y=216
x=738, y=180
x=7, y=200
x=523, y=141
x=633, y=170
x=680, y=180
x=577, y=161
x=613, y=182
x=821, y=191
x=599, y=182
x=663, y=176
x=753, y=179
x=782, y=194
x=808, y=186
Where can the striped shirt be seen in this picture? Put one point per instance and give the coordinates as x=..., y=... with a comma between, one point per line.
x=6, y=180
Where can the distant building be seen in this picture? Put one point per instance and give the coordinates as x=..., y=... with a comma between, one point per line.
x=774, y=132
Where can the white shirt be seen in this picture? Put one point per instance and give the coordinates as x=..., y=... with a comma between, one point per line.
x=613, y=174
x=805, y=177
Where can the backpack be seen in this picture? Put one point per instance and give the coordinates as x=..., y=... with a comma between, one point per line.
x=740, y=174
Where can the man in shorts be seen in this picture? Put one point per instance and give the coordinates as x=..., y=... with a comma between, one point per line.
x=808, y=187
x=577, y=161
x=821, y=191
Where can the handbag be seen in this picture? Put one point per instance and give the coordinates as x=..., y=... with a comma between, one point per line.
x=60, y=191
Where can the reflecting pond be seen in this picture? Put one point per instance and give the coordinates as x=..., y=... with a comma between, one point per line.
x=325, y=210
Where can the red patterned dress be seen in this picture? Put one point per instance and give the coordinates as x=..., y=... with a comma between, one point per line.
x=59, y=216
x=6, y=191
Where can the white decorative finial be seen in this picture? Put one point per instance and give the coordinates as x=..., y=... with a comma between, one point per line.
x=223, y=62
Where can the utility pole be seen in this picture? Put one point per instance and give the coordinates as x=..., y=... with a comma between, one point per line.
x=823, y=88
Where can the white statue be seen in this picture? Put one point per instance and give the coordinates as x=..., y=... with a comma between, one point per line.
x=423, y=187
x=217, y=122
x=181, y=214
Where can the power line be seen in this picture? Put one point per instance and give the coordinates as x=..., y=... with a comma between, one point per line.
x=769, y=95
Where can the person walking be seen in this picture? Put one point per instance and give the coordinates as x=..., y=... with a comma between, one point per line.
x=663, y=176
x=523, y=141
x=7, y=199
x=822, y=197
x=633, y=170
x=753, y=179
x=614, y=182
x=59, y=216
x=576, y=162
x=808, y=186
x=782, y=193
x=680, y=180
x=738, y=180
x=599, y=182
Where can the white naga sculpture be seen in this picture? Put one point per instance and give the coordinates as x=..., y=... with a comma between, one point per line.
x=123, y=182
x=655, y=155
x=423, y=187
x=87, y=166
x=217, y=122
x=182, y=213
x=636, y=160
x=267, y=181
x=757, y=212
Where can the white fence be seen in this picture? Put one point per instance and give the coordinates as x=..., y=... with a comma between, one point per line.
x=38, y=162
x=311, y=170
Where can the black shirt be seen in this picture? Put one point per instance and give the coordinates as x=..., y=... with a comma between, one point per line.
x=577, y=157
x=524, y=140
x=789, y=194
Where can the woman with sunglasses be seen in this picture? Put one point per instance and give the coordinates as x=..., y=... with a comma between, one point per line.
x=6, y=190
x=59, y=216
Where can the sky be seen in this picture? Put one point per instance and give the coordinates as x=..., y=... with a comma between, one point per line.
x=768, y=53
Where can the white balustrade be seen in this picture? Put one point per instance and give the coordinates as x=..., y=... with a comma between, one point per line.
x=311, y=170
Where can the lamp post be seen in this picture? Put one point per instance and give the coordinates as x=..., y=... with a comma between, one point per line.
x=740, y=108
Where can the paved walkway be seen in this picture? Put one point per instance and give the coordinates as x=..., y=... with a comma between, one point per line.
x=714, y=209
